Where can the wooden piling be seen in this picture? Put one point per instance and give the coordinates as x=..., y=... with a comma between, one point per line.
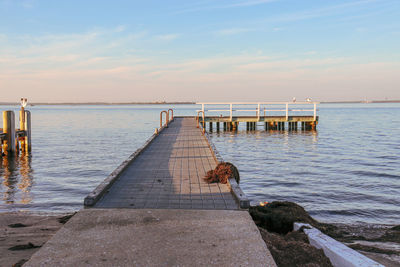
x=235, y=125
x=217, y=124
x=9, y=130
x=210, y=124
x=22, y=128
x=28, y=131
x=224, y=126
x=314, y=125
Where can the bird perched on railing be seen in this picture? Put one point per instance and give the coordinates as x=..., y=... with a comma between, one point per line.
x=308, y=99
x=294, y=99
x=24, y=102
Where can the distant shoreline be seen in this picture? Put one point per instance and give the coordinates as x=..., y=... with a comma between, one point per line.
x=174, y=103
x=100, y=103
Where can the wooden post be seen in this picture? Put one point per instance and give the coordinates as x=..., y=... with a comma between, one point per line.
x=217, y=124
x=9, y=129
x=28, y=131
x=210, y=126
x=22, y=127
x=224, y=126
x=314, y=125
x=235, y=125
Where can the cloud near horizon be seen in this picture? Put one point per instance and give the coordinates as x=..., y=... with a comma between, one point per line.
x=68, y=68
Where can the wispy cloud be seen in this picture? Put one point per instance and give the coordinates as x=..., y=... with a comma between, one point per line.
x=167, y=37
x=319, y=12
x=223, y=5
x=233, y=31
x=27, y=3
x=120, y=28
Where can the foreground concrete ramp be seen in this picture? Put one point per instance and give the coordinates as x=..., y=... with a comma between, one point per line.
x=156, y=237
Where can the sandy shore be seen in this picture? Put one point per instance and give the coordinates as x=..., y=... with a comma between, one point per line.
x=22, y=234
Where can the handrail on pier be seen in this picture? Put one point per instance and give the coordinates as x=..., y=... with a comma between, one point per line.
x=166, y=116
x=198, y=119
x=172, y=116
x=260, y=106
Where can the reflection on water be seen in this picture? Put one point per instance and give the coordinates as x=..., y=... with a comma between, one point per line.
x=16, y=174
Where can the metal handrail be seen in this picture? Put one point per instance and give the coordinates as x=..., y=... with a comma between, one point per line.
x=198, y=119
x=172, y=111
x=167, y=119
x=258, y=109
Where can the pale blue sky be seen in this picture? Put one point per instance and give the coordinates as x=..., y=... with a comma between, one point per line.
x=238, y=50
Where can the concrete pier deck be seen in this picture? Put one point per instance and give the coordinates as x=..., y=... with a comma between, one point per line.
x=160, y=212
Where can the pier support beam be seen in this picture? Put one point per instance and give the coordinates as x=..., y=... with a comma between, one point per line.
x=217, y=124
x=210, y=126
x=9, y=130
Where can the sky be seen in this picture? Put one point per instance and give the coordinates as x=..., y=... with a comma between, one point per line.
x=205, y=50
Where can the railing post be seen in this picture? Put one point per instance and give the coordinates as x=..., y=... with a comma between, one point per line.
x=315, y=111
x=230, y=110
x=258, y=111
x=9, y=130
x=287, y=111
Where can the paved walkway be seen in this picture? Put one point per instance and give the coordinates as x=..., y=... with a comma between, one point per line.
x=169, y=174
x=141, y=237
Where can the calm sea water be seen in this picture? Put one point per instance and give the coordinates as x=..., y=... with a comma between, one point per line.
x=346, y=171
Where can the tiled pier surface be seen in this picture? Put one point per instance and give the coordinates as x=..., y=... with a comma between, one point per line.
x=169, y=174
x=160, y=212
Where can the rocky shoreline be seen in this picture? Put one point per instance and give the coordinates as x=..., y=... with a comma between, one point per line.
x=291, y=248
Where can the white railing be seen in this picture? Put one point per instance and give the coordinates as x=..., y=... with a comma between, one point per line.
x=261, y=107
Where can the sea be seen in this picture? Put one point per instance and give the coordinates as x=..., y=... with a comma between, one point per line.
x=347, y=171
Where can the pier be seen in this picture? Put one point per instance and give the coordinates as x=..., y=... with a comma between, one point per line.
x=273, y=115
x=155, y=209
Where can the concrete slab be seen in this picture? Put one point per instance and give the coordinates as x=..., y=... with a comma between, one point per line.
x=156, y=237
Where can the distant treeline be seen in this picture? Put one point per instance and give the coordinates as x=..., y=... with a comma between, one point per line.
x=182, y=103
x=363, y=101
x=102, y=103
